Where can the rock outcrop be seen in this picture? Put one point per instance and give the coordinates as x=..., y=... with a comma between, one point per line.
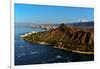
x=67, y=38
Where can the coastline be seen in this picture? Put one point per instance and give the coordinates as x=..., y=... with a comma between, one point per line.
x=27, y=34
x=81, y=52
x=53, y=32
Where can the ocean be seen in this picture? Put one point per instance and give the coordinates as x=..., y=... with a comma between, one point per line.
x=27, y=53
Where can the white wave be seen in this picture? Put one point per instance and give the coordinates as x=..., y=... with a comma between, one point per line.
x=58, y=56
x=20, y=55
x=34, y=52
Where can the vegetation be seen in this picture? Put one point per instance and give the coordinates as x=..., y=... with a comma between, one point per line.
x=67, y=38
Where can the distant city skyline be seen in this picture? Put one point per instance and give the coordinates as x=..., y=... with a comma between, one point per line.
x=30, y=13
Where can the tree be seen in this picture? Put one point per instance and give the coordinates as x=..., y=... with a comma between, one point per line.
x=62, y=27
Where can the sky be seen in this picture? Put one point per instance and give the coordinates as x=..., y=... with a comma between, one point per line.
x=30, y=13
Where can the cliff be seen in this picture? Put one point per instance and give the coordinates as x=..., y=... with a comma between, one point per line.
x=66, y=38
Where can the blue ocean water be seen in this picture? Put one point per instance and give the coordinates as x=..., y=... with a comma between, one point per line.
x=27, y=53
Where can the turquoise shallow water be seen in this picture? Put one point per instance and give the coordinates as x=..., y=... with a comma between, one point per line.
x=27, y=53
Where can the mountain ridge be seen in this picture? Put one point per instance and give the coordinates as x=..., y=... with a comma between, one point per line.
x=66, y=38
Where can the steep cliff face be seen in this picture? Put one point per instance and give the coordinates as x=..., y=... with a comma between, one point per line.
x=67, y=38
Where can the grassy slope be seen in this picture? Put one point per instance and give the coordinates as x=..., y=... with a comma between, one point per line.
x=67, y=38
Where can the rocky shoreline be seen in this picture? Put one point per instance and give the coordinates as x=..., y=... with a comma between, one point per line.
x=81, y=52
x=67, y=38
x=27, y=34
